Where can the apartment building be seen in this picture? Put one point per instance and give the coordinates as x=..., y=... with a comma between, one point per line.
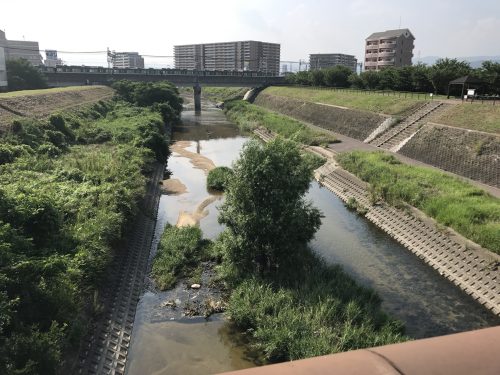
x=20, y=49
x=391, y=48
x=127, y=60
x=239, y=56
x=326, y=60
x=3, y=70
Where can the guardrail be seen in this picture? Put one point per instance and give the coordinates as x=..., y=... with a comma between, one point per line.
x=474, y=352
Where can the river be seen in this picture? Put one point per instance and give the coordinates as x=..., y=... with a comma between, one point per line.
x=161, y=344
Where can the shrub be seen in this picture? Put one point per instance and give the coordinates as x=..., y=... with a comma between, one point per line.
x=218, y=178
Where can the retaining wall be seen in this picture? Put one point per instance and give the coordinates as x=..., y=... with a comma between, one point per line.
x=471, y=154
x=350, y=122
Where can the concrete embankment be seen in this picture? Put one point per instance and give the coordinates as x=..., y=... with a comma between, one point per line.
x=468, y=153
x=471, y=154
x=353, y=123
x=472, y=269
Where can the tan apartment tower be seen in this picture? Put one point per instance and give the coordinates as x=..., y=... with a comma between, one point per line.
x=243, y=55
x=391, y=48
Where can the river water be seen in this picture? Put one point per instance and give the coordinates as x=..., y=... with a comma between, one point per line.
x=411, y=291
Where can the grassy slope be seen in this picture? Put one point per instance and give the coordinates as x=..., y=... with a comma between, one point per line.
x=391, y=105
x=482, y=117
x=251, y=116
x=452, y=202
x=14, y=94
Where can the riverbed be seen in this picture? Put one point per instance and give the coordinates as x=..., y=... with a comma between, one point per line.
x=163, y=343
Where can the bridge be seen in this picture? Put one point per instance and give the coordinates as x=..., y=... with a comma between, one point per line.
x=70, y=77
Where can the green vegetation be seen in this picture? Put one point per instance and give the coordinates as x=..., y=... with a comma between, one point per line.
x=179, y=253
x=22, y=75
x=15, y=94
x=416, y=78
x=223, y=94
x=482, y=117
x=218, y=178
x=452, y=202
x=69, y=186
x=289, y=301
x=391, y=105
x=249, y=116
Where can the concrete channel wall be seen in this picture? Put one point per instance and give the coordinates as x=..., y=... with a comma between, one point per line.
x=472, y=269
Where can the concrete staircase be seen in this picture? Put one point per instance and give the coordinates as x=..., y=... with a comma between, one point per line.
x=397, y=136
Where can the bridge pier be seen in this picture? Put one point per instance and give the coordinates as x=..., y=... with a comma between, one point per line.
x=197, y=97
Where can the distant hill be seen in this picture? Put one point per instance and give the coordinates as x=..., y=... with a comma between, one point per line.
x=475, y=61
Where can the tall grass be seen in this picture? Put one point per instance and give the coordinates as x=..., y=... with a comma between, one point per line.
x=310, y=309
x=249, y=117
x=180, y=251
x=452, y=202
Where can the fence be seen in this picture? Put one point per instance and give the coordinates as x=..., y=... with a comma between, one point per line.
x=402, y=94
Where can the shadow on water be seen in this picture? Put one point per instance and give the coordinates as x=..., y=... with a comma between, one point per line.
x=164, y=342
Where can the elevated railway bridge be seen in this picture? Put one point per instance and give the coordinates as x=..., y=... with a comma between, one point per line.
x=81, y=75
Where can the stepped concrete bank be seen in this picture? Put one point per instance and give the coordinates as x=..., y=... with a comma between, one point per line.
x=471, y=268
x=105, y=350
x=471, y=154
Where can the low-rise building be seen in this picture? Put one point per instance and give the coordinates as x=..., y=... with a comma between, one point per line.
x=51, y=59
x=21, y=49
x=391, y=48
x=127, y=60
x=328, y=60
x=3, y=70
x=243, y=55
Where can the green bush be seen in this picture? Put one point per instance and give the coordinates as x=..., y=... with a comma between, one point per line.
x=219, y=177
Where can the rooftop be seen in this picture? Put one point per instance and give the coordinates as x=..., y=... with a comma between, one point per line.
x=391, y=34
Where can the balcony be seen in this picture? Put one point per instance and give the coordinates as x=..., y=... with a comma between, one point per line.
x=386, y=53
x=385, y=62
x=371, y=63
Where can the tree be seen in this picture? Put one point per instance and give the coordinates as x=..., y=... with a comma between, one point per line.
x=370, y=79
x=317, y=77
x=420, y=78
x=21, y=75
x=388, y=79
x=337, y=76
x=490, y=73
x=268, y=220
x=446, y=70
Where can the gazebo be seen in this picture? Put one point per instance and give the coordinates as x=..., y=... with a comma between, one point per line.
x=465, y=82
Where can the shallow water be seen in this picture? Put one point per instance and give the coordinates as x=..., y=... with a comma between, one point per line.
x=411, y=291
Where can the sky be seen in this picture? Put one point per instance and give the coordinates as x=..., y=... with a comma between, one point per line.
x=446, y=28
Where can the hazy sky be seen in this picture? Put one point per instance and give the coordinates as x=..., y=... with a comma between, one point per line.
x=441, y=27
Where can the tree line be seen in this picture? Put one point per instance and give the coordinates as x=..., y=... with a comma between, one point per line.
x=415, y=78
